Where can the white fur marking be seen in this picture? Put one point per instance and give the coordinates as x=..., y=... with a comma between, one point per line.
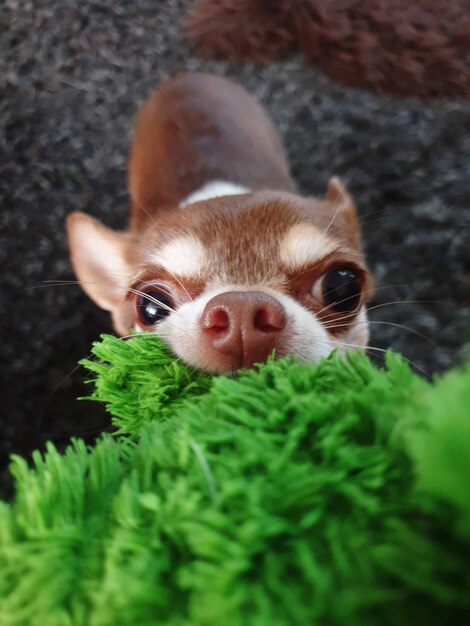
x=214, y=189
x=184, y=256
x=304, y=244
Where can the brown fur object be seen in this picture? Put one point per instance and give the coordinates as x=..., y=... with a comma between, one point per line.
x=400, y=47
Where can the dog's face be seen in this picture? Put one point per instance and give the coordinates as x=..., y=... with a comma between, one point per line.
x=226, y=281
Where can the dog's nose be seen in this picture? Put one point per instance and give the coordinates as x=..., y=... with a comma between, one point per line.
x=246, y=325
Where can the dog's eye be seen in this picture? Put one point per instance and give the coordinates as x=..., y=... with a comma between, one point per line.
x=341, y=290
x=153, y=304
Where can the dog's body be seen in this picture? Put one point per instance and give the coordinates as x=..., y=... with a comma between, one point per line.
x=196, y=129
x=223, y=259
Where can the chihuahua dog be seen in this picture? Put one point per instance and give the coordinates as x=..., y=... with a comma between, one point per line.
x=223, y=259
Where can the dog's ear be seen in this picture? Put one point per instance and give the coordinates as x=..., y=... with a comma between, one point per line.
x=344, y=204
x=98, y=257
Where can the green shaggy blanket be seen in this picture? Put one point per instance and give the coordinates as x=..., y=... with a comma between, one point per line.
x=336, y=494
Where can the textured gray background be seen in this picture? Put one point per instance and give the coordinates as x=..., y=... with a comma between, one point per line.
x=72, y=75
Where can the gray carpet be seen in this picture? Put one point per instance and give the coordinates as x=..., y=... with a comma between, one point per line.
x=72, y=75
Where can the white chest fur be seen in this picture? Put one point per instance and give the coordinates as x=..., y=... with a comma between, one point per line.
x=214, y=189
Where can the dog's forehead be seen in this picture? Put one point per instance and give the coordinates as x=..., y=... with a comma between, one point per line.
x=249, y=238
x=260, y=243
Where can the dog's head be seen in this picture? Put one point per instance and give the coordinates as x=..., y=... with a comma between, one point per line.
x=228, y=280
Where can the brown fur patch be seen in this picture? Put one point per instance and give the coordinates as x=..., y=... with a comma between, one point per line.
x=251, y=29
x=398, y=47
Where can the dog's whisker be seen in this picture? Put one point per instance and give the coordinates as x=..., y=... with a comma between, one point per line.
x=368, y=322
x=182, y=286
x=374, y=349
x=137, y=292
x=372, y=290
x=378, y=306
x=66, y=377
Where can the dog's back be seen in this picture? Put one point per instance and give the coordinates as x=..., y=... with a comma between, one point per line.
x=199, y=129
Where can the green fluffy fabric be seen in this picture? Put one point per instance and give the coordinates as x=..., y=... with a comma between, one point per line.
x=336, y=494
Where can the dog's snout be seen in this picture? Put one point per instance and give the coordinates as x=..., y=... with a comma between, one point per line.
x=247, y=325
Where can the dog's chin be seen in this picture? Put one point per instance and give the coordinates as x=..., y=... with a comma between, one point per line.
x=214, y=361
x=230, y=364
